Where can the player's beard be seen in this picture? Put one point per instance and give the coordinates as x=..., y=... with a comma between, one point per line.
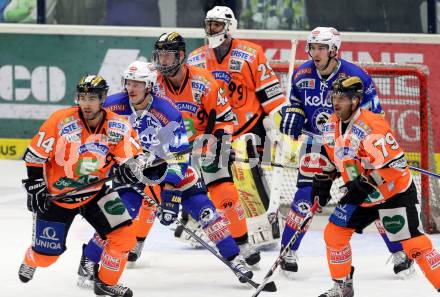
x=89, y=115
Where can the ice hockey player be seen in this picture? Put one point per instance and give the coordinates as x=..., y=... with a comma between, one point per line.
x=74, y=147
x=309, y=110
x=378, y=184
x=195, y=92
x=161, y=131
x=254, y=92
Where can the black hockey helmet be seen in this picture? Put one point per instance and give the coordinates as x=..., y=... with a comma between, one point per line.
x=350, y=86
x=169, y=42
x=94, y=84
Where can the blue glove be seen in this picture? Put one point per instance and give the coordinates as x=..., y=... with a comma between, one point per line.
x=292, y=119
x=170, y=205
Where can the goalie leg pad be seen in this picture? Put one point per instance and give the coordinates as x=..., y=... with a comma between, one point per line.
x=420, y=249
x=337, y=240
x=225, y=198
x=301, y=205
x=215, y=227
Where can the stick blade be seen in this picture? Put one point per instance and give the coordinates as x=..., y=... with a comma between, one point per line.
x=270, y=287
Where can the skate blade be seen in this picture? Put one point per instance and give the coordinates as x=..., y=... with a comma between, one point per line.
x=407, y=274
x=288, y=274
x=255, y=267
x=84, y=283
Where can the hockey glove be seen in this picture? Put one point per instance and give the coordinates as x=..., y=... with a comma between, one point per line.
x=356, y=191
x=321, y=189
x=36, y=195
x=292, y=119
x=170, y=205
x=135, y=170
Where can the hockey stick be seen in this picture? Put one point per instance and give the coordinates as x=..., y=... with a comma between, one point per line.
x=269, y=287
x=110, y=178
x=286, y=249
x=423, y=171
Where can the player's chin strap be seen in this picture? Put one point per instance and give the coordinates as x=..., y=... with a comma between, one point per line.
x=423, y=171
x=286, y=249
x=268, y=287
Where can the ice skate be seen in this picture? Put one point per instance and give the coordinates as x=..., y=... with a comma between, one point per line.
x=239, y=264
x=26, y=272
x=289, y=264
x=341, y=288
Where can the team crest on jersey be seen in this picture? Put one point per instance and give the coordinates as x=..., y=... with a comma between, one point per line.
x=222, y=75
x=235, y=65
x=243, y=55
x=320, y=117
x=306, y=83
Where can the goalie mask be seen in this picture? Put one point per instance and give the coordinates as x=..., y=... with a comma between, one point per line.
x=169, y=45
x=92, y=84
x=140, y=71
x=221, y=14
x=325, y=35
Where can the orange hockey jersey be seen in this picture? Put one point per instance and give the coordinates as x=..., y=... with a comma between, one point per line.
x=72, y=155
x=249, y=82
x=368, y=147
x=196, y=97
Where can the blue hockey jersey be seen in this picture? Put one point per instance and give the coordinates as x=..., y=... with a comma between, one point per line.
x=160, y=128
x=310, y=90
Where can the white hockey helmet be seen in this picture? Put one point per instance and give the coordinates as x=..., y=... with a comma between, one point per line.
x=141, y=71
x=325, y=35
x=224, y=15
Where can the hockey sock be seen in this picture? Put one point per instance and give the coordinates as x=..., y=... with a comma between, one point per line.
x=337, y=240
x=225, y=198
x=298, y=210
x=293, y=221
x=420, y=249
x=34, y=259
x=115, y=254
x=393, y=247
x=94, y=248
x=145, y=220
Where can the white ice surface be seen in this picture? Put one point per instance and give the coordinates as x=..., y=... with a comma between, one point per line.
x=169, y=268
